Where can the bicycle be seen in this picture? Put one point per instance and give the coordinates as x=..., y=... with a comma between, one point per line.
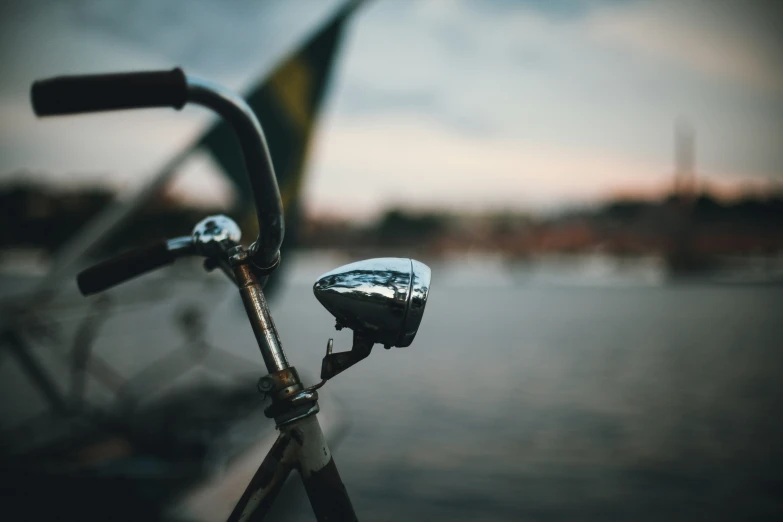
x=381, y=300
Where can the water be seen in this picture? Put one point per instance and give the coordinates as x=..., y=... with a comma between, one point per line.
x=524, y=399
x=564, y=402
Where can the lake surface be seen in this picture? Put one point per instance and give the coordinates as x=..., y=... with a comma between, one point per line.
x=528, y=398
x=565, y=402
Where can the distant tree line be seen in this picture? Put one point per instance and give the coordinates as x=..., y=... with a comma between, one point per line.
x=759, y=212
x=39, y=216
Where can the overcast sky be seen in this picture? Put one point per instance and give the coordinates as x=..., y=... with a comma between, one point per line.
x=453, y=104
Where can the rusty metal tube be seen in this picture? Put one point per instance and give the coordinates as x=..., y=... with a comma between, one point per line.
x=268, y=481
x=300, y=445
x=260, y=319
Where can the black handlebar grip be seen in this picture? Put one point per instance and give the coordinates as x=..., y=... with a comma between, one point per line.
x=124, y=267
x=106, y=92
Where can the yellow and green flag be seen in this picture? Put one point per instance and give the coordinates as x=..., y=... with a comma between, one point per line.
x=287, y=102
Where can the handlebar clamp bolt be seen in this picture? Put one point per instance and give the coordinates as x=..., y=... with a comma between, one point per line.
x=237, y=255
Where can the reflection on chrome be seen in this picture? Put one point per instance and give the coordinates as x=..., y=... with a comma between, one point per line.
x=211, y=232
x=383, y=298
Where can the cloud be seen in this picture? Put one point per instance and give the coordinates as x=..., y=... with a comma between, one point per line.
x=448, y=102
x=43, y=40
x=696, y=36
x=566, y=81
x=406, y=159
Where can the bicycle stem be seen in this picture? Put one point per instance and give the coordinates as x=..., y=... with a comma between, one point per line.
x=293, y=407
x=301, y=444
x=260, y=318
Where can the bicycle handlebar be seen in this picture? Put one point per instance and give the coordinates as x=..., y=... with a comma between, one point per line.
x=123, y=267
x=92, y=93
x=265, y=251
x=106, y=92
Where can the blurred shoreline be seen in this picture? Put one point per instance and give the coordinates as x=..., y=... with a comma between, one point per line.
x=749, y=223
x=695, y=236
x=21, y=267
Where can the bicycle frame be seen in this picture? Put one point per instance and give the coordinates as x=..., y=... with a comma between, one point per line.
x=301, y=444
x=382, y=300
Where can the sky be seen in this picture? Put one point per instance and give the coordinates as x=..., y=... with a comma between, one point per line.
x=449, y=104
